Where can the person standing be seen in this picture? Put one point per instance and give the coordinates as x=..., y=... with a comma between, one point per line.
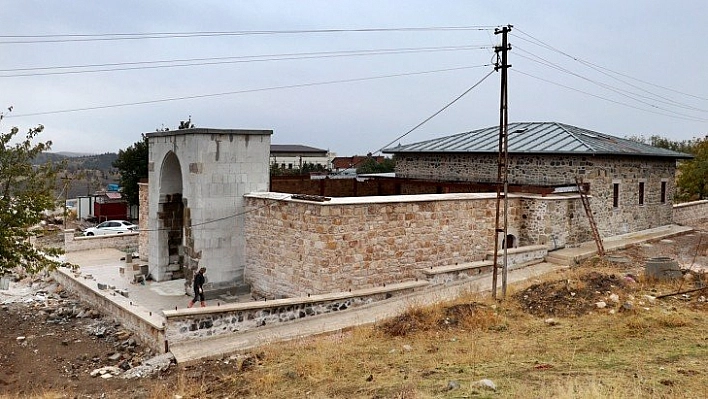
x=198, y=288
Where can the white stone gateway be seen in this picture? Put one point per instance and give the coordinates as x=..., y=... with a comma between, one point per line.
x=197, y=179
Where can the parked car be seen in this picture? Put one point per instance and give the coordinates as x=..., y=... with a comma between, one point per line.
x=111, y=227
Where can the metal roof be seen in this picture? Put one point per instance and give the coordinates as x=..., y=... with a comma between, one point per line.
x=295, y=148
x=537, y=138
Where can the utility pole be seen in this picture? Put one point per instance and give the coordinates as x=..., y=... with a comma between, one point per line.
x=503, y=160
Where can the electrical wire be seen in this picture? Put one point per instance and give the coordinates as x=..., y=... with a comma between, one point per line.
x=693, y=119
x=426, y=120
x=599, y=68
x=66, y=38
x=262, y=89
x=630, y=95
x=275, y=200
x=143, y=65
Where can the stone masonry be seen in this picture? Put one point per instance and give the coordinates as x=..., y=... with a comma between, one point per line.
x=198, y=178
x=601, y=172
x=299, y=247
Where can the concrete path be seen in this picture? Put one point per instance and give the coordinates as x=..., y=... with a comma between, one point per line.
x=572, y=256
x=333, y=322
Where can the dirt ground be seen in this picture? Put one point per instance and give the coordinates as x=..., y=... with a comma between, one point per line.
x=51, y=342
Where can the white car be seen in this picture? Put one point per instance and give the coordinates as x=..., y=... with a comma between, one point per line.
x=111, y=227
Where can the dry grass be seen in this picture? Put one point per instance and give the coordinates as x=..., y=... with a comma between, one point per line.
x=658, y=350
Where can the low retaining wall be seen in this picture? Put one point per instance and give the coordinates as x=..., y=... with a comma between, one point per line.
x=142, y=322
x=195, y=323
x=123, y=242
x=689, y=213
x=521, y=256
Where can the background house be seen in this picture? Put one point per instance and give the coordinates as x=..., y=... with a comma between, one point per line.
x=295, y=156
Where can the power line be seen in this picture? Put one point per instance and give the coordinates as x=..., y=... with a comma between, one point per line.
x=275, y=200
x=142, y=65
x=624, y=93
x=437, y=112
x=65, y=38
x=693, y=119
x=293, y=86
x=598, y=68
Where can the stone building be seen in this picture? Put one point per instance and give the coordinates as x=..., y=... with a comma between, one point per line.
x=631, y=184
x=210, y=205
x=197, y=181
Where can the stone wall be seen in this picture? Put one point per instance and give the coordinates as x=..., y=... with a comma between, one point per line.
x=143, y=240
x=142, y=322
x=601, y=172
x=297, y=248
x=553, y=221
x=209, y=170
x=690, y=213
x=125, y=242
x=198, y=323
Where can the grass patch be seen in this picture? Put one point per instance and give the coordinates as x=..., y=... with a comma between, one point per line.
x=658, y=350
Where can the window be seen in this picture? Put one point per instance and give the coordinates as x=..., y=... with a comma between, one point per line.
x=641, y=193
x=615, y=195
x=663, y=192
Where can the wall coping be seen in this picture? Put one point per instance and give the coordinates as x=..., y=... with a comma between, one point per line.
x=454, y=268
x=82, y=238
x=275, y=303
x=389, y=199
x=200, y=130
x=692, y=203
x=520, y=250
x=124, y=303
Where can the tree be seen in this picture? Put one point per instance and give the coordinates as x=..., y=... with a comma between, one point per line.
x=692, y=177
x=371, y=165
x=132, y=163
x=26, y=191
x=692, y=180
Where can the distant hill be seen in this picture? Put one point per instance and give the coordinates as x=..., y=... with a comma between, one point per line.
x=101, y=162
x=88, y=173
x=74, y=154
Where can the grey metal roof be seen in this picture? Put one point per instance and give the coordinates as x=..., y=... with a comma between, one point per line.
x=537, y=138
x=295, y=148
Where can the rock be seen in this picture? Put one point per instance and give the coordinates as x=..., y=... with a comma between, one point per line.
x=486, y=384
x=407, y=348
x=108, y=370
x=150, y=367
x=551, y=321
x=650, y=298
x=452, y=385
x=627, y=306
x=614, y=298
x=115, y=357
x=601, y=304
x=21, y=338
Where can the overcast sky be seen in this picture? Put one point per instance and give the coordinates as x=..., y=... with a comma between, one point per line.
x=617, y=67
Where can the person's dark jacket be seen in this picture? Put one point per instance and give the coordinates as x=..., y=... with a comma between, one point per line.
x=198, y=282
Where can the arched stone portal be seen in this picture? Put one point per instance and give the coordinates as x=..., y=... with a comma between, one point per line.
x=197, y=179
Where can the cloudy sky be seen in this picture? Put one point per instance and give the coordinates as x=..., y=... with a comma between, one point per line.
x=348, y=76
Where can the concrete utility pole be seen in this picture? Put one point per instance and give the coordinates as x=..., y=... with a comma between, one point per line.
x=502, y=164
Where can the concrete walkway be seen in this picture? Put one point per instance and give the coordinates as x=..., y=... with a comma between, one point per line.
x=572, y=256
x=334, y=322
